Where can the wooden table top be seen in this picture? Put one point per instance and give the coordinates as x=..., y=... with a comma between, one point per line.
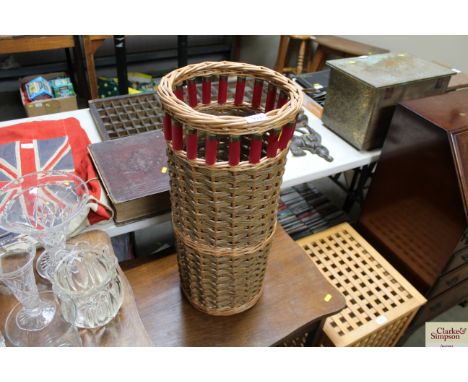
x=293, y=299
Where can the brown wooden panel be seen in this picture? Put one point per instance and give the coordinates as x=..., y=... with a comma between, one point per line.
x=413, y=212
x=449, y=112
x=460, y=153
x=23, y=44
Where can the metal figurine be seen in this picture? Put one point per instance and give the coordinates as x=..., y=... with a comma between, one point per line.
x=310, y=140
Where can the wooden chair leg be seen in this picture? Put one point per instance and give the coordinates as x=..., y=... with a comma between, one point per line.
x=90, y=67
x=307, y=56
x=282, y=52
x=300, y=57
x=318, y=60
x=90, y=46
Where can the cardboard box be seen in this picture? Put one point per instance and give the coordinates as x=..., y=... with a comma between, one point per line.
x=49, y=106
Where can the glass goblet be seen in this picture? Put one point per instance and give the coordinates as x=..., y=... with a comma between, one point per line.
x=36, y=320
x=42, y=205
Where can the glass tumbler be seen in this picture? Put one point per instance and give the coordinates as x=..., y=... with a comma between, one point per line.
x=87, y=278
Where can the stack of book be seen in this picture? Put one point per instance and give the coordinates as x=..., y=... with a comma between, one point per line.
x=304, y=210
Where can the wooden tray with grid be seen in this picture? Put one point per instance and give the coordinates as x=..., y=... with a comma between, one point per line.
x=380, y=303
x=122, y=116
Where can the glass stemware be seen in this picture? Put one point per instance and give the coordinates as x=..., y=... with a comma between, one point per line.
x=42, y=205
x=36, y=320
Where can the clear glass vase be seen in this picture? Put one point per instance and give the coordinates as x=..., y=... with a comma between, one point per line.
x=36, y=320
x=42, y=205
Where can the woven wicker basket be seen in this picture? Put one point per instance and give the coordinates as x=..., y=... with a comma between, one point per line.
x=226, y=158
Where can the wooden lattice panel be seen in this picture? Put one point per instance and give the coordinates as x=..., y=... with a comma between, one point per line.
x=380, y=302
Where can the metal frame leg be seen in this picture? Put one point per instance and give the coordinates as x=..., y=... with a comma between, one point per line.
x=121, y=62
x=182, y=51
x=355, y=191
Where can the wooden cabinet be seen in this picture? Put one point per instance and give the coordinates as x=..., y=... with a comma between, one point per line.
x=416, y=210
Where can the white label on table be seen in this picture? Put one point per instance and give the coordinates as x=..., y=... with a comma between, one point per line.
x=381, y=319
x=256, y=118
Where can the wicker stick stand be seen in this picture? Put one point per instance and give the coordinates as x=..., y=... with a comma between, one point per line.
x=226, y=159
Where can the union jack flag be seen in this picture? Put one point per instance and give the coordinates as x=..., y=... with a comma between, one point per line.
x=21, y=158
x=51, y=145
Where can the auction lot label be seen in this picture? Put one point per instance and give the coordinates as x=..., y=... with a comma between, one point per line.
x=447, y=334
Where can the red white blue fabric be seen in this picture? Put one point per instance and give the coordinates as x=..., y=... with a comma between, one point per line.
x=51, y=145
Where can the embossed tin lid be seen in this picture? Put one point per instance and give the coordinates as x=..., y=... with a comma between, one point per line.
x=389, y=69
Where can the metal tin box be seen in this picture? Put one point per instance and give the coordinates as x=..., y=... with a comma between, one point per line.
x=363, y=92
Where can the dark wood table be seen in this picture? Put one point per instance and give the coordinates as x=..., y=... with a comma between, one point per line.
x=341, y=47
x=296, y=298
x=126, y=329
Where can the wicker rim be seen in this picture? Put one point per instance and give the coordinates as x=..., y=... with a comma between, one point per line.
x=228, y=125
x=203, y=248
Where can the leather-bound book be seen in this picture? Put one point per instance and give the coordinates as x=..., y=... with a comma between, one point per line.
x=133, y=171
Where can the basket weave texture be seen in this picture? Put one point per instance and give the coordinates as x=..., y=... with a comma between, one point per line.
x=224, y=211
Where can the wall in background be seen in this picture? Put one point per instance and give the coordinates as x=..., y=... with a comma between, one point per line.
x=259, y=50
x=449, y=50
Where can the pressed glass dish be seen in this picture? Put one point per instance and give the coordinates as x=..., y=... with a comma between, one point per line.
x=87, y=278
